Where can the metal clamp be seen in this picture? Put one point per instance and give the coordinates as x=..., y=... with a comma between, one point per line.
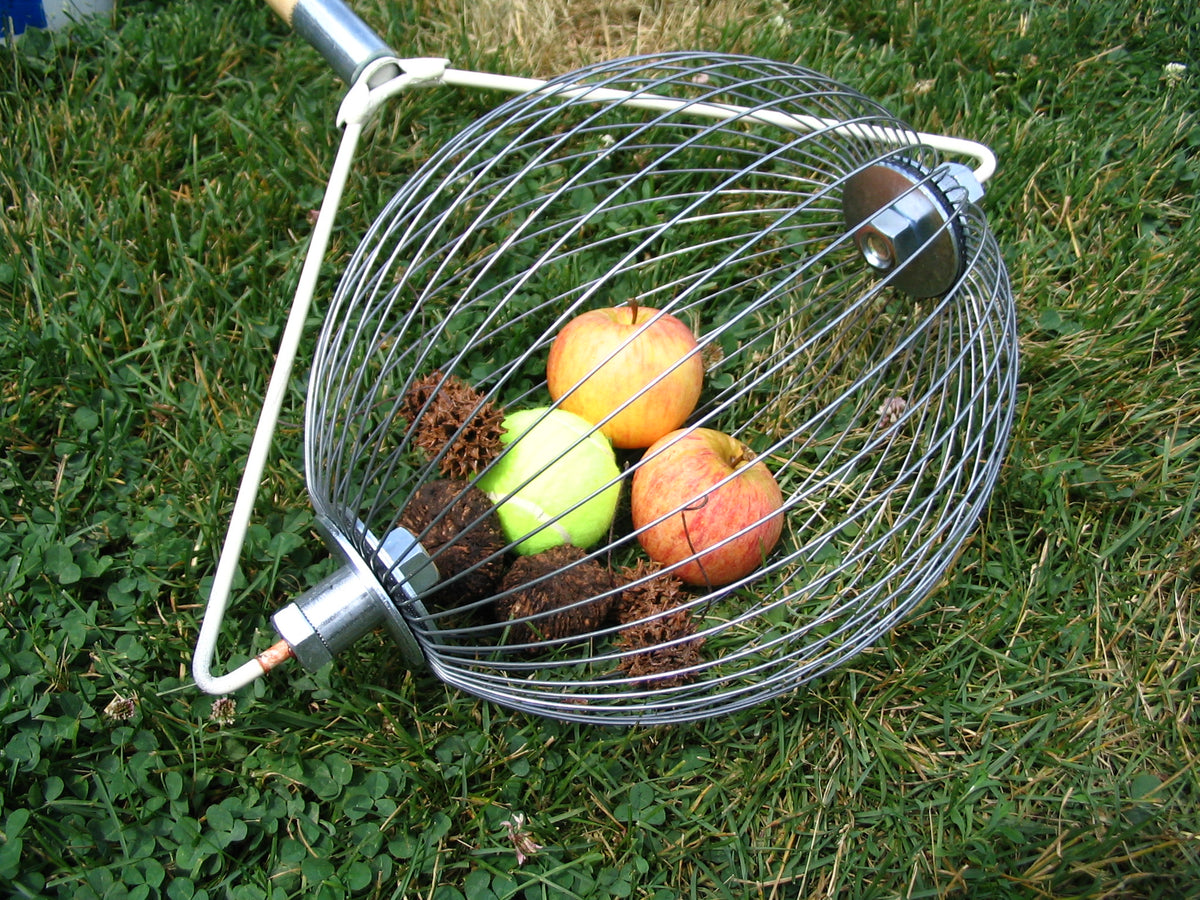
x=906, y=222
x=331, y=616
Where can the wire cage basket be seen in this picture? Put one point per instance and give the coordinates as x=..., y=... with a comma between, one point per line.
x=855, y=330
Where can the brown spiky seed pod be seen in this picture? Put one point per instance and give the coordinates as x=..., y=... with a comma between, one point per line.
x=549, y=582
x=655, y=592
x=442, y=515
x=657, y=601
x=448, y=413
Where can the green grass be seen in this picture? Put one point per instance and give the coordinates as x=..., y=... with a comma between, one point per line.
x=1031, y=732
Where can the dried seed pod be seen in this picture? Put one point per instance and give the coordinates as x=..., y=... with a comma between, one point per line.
x=646, y=591
x=446, y=412
x=656, y=627
x=548, y=584
x=456, y=524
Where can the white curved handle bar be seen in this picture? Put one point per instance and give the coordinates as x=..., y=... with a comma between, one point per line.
x=984, y=157
x=359, y=104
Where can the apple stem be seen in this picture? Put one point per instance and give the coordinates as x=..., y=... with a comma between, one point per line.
x=633, y=307
x=744, y=457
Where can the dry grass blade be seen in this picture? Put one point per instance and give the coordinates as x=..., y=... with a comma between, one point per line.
x=542, y=38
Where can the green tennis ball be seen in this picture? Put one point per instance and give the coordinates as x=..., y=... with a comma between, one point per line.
x=565, y=461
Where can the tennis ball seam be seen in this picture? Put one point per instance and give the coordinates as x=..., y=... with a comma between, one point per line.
x=534, y=510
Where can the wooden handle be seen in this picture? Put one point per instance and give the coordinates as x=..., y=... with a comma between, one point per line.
x=283, y=8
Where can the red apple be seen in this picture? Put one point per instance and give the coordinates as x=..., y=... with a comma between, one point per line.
x=681, y=477
x=604, y=357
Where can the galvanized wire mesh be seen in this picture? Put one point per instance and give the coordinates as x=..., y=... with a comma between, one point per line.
x=883, y=417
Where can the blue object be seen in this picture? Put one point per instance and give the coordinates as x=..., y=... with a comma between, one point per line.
x=21, y=14
x=50, y=14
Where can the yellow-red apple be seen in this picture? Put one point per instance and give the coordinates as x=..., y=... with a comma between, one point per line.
x=603, y=358
x=719, y=506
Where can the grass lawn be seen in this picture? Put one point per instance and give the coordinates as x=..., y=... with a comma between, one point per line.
x=1033, y=730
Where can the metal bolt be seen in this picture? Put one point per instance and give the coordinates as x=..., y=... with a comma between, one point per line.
x=903, y=223
x=329, y=617
x=877, y=239
x=955, y=179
